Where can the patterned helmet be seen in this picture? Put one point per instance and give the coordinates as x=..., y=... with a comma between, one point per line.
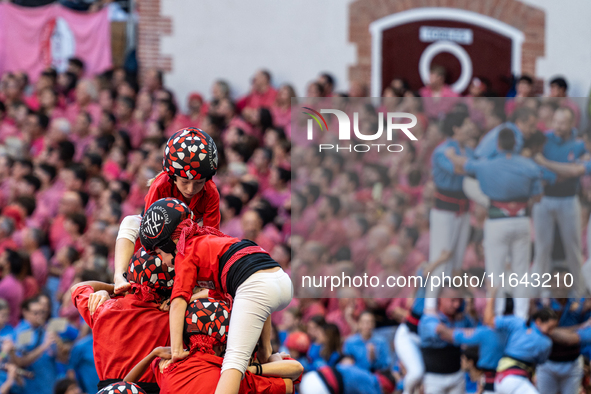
x=147, y=269
x=209, y=317
x=160, y=221
x=122, y=388
x=190, y=153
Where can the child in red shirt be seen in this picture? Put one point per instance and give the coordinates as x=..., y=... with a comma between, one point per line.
x=189, y=164
x=205, y=333
x=122, y=321
x=234, y=270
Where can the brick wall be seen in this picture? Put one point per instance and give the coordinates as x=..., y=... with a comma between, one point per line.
x=152, y=25
x=530, y=20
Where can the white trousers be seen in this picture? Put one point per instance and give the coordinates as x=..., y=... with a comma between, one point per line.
x=560, y=377
x=566, y=213
x=451, y=232
x=408, y=351
x=586, y=270
x=507, y=249
x=436, y=383
x=313, y=384
x=514, y=384
x=259, y=296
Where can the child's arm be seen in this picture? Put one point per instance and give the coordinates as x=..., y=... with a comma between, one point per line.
x=289, y=369
x=178, y=306
x=136, y=373
x=124, y=247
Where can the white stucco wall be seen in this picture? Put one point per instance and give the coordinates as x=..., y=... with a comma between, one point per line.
x=296, y=40
x=231, y=39
x=568, y=43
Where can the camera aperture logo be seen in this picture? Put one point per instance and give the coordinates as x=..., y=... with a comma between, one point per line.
x=392, y=124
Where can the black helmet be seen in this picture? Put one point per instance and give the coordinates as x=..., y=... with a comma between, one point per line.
x=160, y=221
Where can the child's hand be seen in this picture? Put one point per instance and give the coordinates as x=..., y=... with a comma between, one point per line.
x=163, y=364
x=178, y=356
x=165, y=306
x=97, y=299
x=7, y=346
x=278, y=357
x=163, y=352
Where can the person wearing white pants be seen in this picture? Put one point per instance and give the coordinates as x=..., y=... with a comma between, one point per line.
x=443, y=366
x=449, y=219
x=407, y=346
x=511, y=181
x=560, y=205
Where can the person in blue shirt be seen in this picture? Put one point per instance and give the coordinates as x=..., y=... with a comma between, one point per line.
x=443, y=373
x=527, y=346
x=512, y=182
x=81, y=364
x=370, y=352
x=491, y=345
x=347, y=378
x=328, y=349
x=572, y=170
x=6, y=330
x=36, y=350
x=560, y=205
x=563, y=371
x=523, y=125
x=449, y=219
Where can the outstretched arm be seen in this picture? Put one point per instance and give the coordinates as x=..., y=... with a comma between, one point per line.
x=136, y=373
x=96, y=286
x=289, y=369
x=565, y=170
x=178, y=306
x=565, y=336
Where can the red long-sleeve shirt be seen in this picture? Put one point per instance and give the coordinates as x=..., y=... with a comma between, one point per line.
x=200, y=265
x=205, y=204
x=125, y=330
x=200, y=373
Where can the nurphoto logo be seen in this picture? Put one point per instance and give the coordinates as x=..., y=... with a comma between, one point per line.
x=393, y=122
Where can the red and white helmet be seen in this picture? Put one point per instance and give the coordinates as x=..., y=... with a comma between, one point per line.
x=190, y=153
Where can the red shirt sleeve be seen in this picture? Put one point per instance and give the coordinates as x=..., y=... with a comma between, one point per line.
x=185, y=274
x=212, y=217
x=254, y=384
x=155, y=367
x=80, y=300
x=160, y=188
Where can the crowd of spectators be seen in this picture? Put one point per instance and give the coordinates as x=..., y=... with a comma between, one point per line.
x=76, y=155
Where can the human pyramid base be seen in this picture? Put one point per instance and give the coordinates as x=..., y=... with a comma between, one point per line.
x=190, y=308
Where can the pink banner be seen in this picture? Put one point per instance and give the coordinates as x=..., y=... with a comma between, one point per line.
x=32, y=39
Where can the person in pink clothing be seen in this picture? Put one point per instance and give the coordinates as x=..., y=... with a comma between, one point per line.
x=49, y=103
x=262, y=93
x=32, y=241
x=34, y=130
x=124, y=108
x=230, y=208
x=278, y=191
x=11, y=288
x=438, y=94
x=86, y=96
x=281, y=109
